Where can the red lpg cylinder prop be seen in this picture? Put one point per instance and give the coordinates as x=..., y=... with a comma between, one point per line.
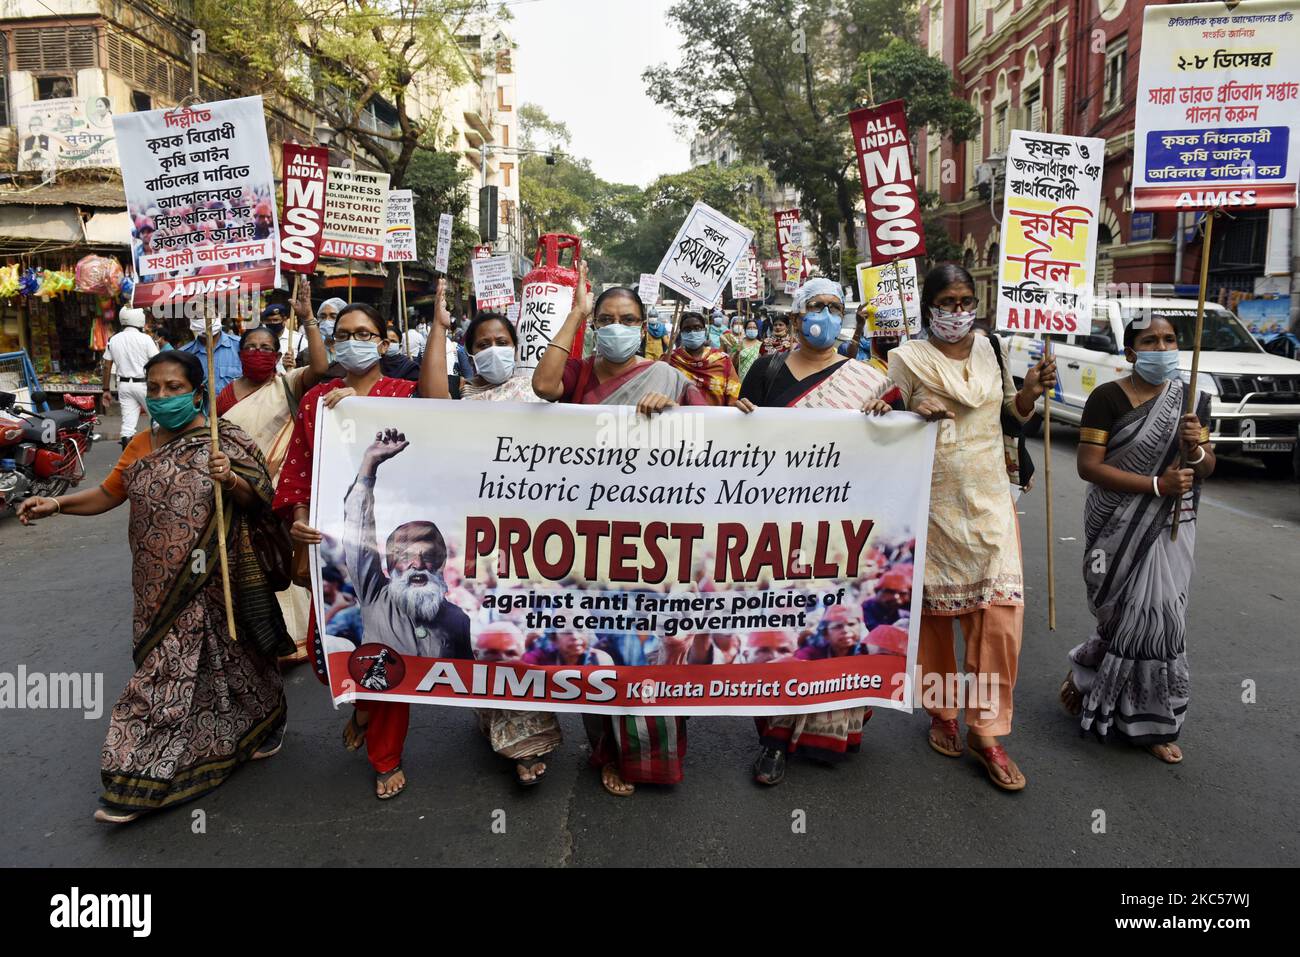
x=548, y=297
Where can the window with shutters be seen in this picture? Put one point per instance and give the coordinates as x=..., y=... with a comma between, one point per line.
x=55, y=50
x=1033, y=100
x=975, y=145
x=933, y=164
x=1001, y=133
x=4, y=79
x=974, y=20
x=936, y=28
x=1058, y=99
x=1116, y=67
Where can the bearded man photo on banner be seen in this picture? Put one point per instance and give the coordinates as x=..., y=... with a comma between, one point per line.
x=407, y=608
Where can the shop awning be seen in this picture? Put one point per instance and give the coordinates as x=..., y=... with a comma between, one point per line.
x=53, y=213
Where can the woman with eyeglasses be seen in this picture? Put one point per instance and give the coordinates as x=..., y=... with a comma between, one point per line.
x=709, y=368
x=628, y=749
x=616, y=374
x=264, y=404
x=360, y=340
x=973, y=571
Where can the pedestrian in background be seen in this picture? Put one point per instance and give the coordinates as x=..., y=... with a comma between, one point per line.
x=128, y=350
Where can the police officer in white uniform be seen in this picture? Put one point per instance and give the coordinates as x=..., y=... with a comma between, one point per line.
x=129, y=350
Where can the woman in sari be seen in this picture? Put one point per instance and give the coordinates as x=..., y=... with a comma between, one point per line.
x=748, y=348
x=628, y=749
x=1130, y=677
x=812, y=376
x=780, y=340
x=709, y=368
x=360, y=339
x=201, y=701
x=264, y=405
x=973, y=571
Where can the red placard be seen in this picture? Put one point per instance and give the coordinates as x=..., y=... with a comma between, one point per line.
x=894, y=229
x=303, y=222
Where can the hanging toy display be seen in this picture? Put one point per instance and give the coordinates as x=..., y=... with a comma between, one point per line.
x=8, y=281
x=55, y=282
x=99, y=275
x=99, y=328
x=128, y=287
x=30, y=281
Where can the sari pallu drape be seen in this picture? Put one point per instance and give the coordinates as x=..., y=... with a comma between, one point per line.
x=199, y=703
x=1133, y=670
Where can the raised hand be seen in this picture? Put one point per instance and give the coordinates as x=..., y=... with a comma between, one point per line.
x=583, y=301
x=302, y=302
x=441, y=316
x=387, y=443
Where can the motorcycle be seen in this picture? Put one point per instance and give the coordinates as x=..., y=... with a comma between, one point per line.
x=43, y=453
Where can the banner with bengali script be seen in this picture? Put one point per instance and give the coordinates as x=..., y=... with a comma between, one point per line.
x=1218, y=106
x=201, y=197
x=1049, y=233
x=586, y=558
x=878, y=288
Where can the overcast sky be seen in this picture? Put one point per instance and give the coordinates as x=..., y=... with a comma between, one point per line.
x=581, y=61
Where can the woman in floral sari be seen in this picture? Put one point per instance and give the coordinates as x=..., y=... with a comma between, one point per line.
x=812, y=376
x=201, y=701
x=748, y=348
x=780, y=340
x=1130, y=677
x=265, y=405
x=628, y=749
x=709, y=368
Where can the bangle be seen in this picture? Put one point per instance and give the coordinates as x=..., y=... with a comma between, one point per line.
x=556, y=345
x=309, y=323
x=58, y=509
x=1201, y=449
x=1155, y=484
x=234, y=480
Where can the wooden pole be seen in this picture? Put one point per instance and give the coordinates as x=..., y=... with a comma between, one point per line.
x=401, y=300
x=1190, y=405
x=902, y=305
x=349, y=280
x=1048, y=353
x=216, y=486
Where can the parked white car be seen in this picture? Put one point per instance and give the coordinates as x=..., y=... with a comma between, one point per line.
x=1255, y=396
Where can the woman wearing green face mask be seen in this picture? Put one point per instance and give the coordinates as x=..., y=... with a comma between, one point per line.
x=199, y=702
x=1144, y=457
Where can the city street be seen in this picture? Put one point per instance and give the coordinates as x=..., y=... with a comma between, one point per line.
x=67, y=607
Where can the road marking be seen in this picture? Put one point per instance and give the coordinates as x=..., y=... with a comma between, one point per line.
x=1244, y=513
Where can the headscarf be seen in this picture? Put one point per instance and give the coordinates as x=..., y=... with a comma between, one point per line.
x=132, y=316
x=821, y=286
x=336, y=302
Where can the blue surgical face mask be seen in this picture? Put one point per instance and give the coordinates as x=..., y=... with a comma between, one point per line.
x=617, y=342
x=356, y=356
x=694, y=339
x=751, y=333
x=719, y=321
x=821, y=329
x=657, y=329
x=1157, y=366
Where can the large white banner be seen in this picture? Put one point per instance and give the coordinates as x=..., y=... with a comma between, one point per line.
x=201, y=198
x=1049, y=233
x=578, y=558
x=66, y=133
x=1218, y=106
x=354, y=214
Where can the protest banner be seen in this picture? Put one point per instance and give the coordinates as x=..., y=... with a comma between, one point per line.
x=201, y=197
x=878, y=286
x=538, y=539
x=354, y=214
x=494, y=284
x=789, y=247
x=893, y=210
x=304, y=207
x=647, y=289
x=700, y=260
x=65, y=133
x=1049, y=233
x=742, y=278
x=1218, y=98
x=483, y=252
x=399, y=226
x=444, y=243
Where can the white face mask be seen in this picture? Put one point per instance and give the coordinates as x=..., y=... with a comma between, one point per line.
x=199, y=326
x=495, y=363
x=951, y=326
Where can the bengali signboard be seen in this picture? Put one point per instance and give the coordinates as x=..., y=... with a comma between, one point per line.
x=494, y=283
x=201, y=197
x=879, y=287
x=399, y=226
x=354, y=214
x=444, y=243
x=700, y=260
x=1218, y=101
x=66, y=133
x=647, y=289
x=304, y=206
x=1049, y=233
x=789, y=246
x=893, y=211
x=573, y=558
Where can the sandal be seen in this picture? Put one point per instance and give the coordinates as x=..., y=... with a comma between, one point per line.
x=610, y=771
x=384, y=778
x=105, y=816
x=537, y=768
x=769, y=767
x=995, y=755
x=354, y=732
x=1071, y=697
x=272, y=745
x=1165, y=756
x=951, y=731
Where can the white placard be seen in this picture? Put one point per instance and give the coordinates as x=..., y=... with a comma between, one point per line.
x=399, y=226
x=494, y=283
x=444, y=243
x=703, y=254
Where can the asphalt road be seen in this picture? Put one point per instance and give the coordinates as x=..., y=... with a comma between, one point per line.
x=66, y=606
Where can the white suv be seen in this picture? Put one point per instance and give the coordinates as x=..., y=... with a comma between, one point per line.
x=1255, y=396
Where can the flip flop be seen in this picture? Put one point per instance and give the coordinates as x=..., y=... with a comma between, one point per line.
x=533, y=768
x=604, y=782
x=358, y=729
x=384, y=778
x=1177, y=760
x=949, y=728
x=995, y=755
x=105, y=816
